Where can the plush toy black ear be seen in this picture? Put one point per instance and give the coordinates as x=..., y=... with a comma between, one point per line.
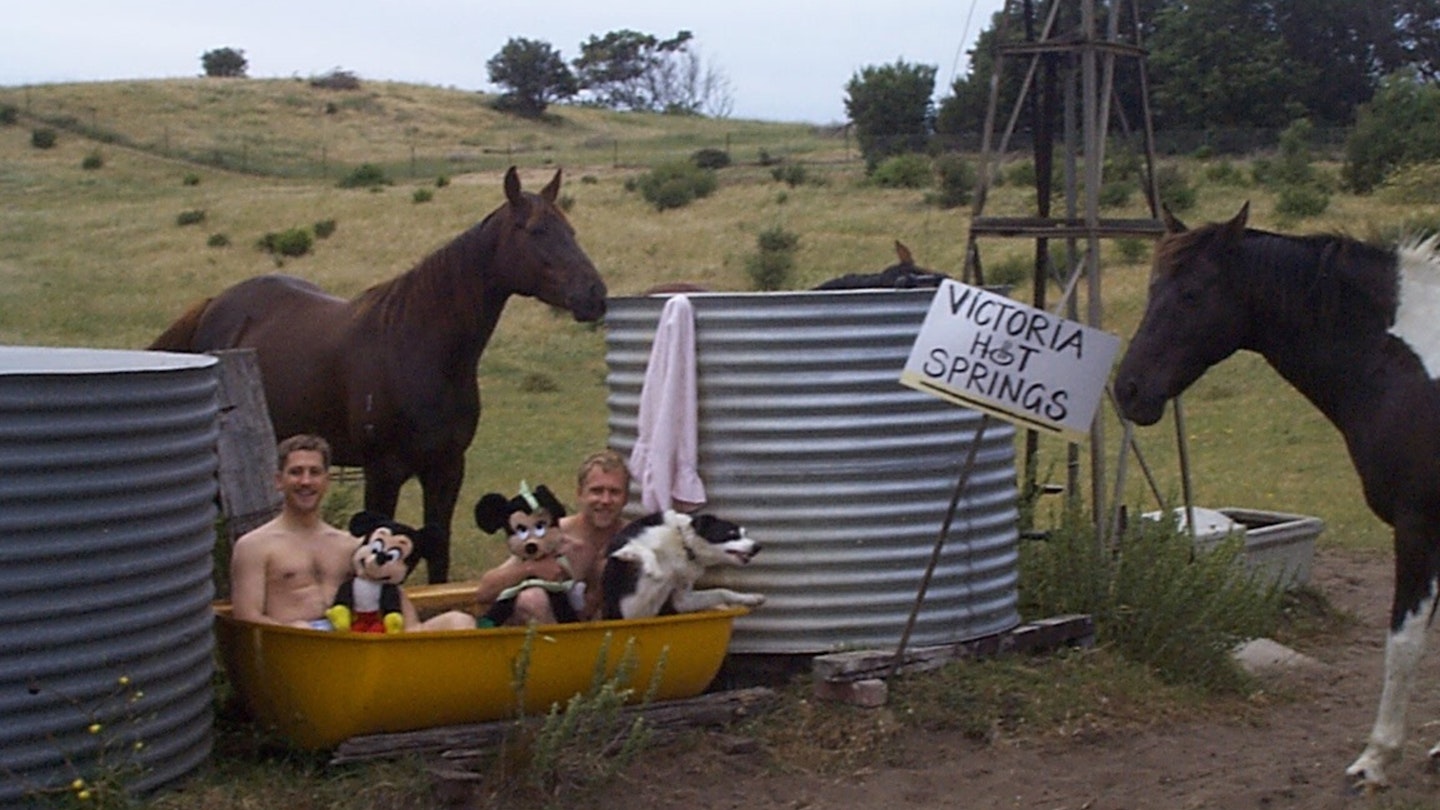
x=492, y=512
x=366, y=522
x=549, y=502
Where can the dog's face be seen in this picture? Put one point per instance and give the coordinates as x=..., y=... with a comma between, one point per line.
x=716, y=541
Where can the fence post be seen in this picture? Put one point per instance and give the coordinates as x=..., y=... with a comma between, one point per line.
x=246, y=445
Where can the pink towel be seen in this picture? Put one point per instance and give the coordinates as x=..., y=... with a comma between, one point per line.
x=664, y=460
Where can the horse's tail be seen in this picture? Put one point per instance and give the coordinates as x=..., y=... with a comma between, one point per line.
x=180, y=336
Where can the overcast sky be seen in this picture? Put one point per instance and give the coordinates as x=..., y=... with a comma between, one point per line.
x=786, y=60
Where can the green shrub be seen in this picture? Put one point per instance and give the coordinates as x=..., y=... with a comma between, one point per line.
x=711, y=158
x=366, y=175
x=764, y=158
x=957, y=181
x=1010, y=271
x=1416, y=184
x=422, y=195
x=324, y=228
x=1224, y=173
x=769, y=268
x=1116, y=194
x=9, y=115
x=1132, y=250
x=1400, y=126
x=442, y=181
x=904, y=171
x=43, y=138
x=589, y=180
x=791, y=174
x=218, y=240
x=190, y=179
x=292, y=242
x=1301, y=201
x=92, y=161
x=1175, y=189
x=677, y=184
x=1153, y=597
x=192, y=217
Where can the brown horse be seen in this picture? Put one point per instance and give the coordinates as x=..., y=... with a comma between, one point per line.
x=389, y=377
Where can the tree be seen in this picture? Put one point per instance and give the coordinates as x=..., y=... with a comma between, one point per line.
x=226, y=63
x=891, y=108
x=629, y=70
x=533, y=73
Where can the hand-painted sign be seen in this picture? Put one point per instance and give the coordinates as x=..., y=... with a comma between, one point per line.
x=985, y=351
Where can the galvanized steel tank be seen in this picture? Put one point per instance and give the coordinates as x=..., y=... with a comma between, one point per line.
x=807, y=437
x=107, y=513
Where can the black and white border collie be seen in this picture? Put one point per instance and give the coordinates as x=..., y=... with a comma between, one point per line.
x=655, y=561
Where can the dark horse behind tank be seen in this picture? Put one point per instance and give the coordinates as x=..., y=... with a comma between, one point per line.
x=1354, y=328
x=389, y=378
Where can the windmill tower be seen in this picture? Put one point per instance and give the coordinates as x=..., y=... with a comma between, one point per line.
x=1069, y=60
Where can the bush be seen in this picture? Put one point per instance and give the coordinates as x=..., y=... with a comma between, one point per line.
x=43, y=138
x=674, y=185
x=1417, y=184
x=1400, y=126
x=957, y=181
x=442, y=181
x=1115, y=194
x=791, y=174
x=9, y=115
x=190, y=179
x=324, y=228
x=292, y=242
x=903, y=171
x=422, y=195
x=1224, y=173
x=1302, y=201
x=1153, y=597
x=93, y=161
x=337, y=79
x=218, y=240
x=192, y=217
x=711, y=158
x=769, y=269
x=366, y=175
x=1175, y=189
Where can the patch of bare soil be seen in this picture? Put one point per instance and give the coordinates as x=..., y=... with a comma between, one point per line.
x=1291, y=754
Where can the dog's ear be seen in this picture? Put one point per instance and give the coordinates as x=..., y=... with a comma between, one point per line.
x=492, y=513
x=549, y=502
x=363, y=523
x=702, y=524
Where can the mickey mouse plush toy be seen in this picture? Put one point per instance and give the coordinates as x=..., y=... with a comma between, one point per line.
x=370, y=603
x=531, y=522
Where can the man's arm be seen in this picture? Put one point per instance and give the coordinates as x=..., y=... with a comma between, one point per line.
x=247, y=583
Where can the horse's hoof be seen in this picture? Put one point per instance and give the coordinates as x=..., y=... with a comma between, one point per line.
x=1367, y=775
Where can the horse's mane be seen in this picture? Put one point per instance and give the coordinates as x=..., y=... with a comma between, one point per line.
x=430, y=280
x=1314, y=279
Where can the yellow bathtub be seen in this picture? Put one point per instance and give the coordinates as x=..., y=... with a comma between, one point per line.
x=318, y=689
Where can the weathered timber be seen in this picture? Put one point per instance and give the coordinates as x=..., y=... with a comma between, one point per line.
x=1037, y=636
x=713, y=710
x=246, y=444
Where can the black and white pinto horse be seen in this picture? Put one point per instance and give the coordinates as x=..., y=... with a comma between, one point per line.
x=1356, y=329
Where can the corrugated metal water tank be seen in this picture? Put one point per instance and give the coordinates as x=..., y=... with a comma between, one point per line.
x=807, y=437
x=107, y=511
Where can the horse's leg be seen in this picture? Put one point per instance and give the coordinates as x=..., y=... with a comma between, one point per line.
x=441, y=486
x=1416, y=569
x=383, y=481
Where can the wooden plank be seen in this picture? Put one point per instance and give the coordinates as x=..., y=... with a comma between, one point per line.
x=713, y=710
x=1037, y=636
x=246, y=445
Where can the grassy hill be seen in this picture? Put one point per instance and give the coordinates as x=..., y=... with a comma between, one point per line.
x=98, y=257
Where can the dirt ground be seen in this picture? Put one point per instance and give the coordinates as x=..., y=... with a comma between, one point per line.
x=1293, y=756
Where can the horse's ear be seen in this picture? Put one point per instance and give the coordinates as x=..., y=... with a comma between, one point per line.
x=512, y=188
x=1235, y=228
x=552, y=189
x=1172, y=224
x=904, y=253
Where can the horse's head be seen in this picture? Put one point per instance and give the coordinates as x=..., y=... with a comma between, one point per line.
x=1195, y=317
x=540, y=254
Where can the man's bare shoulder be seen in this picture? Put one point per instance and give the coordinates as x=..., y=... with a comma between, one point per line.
x=277, y=530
